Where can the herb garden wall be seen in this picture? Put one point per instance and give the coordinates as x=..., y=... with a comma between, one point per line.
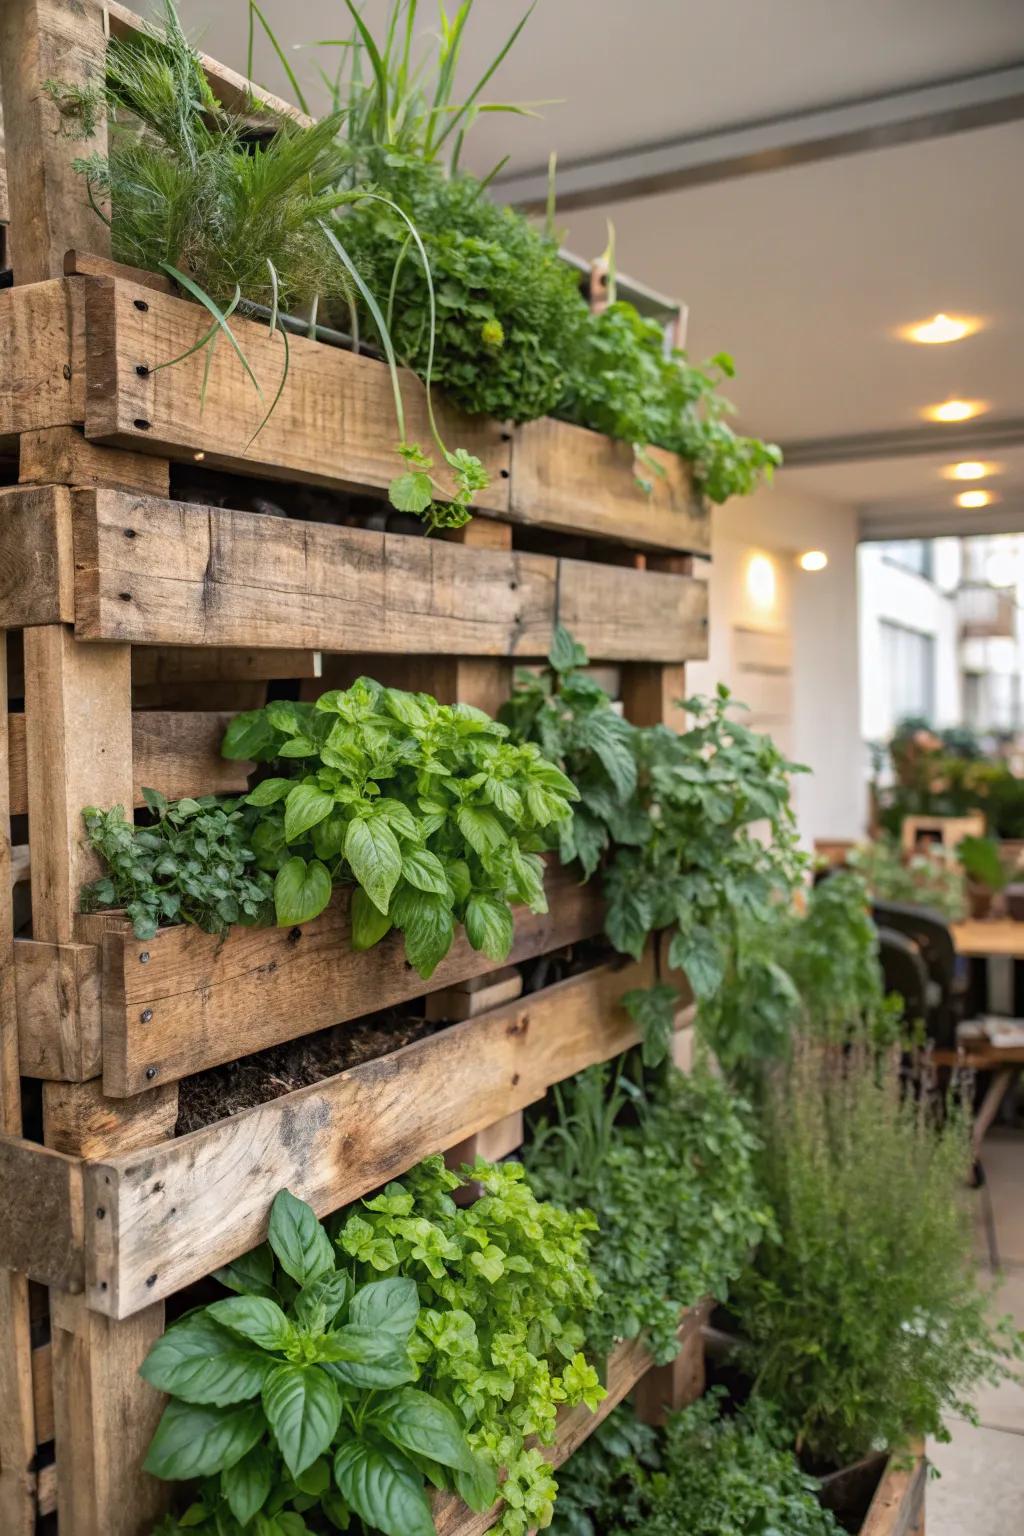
x=299, y=939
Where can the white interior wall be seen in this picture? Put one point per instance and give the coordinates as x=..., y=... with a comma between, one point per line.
x=818, y=610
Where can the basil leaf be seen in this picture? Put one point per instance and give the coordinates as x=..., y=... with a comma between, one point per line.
x=198, y=1441
x=322, y=1300
x=249, y=738
x=383, y=1488
x=368, y=924
x=247, y=1484
x=481, y=828
x=301, y=891
x=256, y=1318
x=424, y=870
x=373, y=855
x=269, y=791
x=427, y=923
x=478, y=1486
x=303, y=1248
x=390, y=1305
x=366, y=1357
x=304, y=807
x=202, y=1362
x=419, y=1423
x=489, y=925
x=251, y=1275
x=303, y=1409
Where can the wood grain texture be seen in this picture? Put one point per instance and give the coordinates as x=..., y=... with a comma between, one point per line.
x=152, y=665
x=58, y=992
x=334, y=424
x=41, y=1213
x=37, y=562
x=209, y=1000
x=44, y=40
x=574, y=481
x=898, y=1504
x=159, y=572
x=42, y=1392
x=79, y=753
x=174, y=1212
x=79, y=1120
x=64, y=456
x=42, y=355
x=177, y=752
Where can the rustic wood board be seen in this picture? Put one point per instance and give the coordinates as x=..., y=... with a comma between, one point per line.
x=58, y=993
x=175, y=751
x=195, y=1000
x=37, y=562
x=151, y=571
x=575, y=481
x=334, y=424
x=173, y=1212
x=42, y=355
x=899, y=1498
x=41, y=1213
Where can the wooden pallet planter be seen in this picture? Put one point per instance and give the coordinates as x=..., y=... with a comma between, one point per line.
x=132, y=1228
x=79, y=352
x=898, y=1505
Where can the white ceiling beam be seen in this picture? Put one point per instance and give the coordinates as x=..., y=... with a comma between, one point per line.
x=769, y=144
x=904, y=442
x=904, y=520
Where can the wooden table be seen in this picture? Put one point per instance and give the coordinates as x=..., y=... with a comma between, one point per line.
x=999, y=936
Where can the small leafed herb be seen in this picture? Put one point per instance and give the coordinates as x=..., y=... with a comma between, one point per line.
x=668, y=1170
x=295, y=1397
x=671, y=820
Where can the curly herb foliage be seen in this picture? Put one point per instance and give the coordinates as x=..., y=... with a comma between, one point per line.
x=294, y=1398
x=506, y=1289
x=814, y=972
x=668, y=1172
x=238, y=218
x=194, y=865
x=429, y=808
x=670, y=820
x=622, y=382
x=865, y=1317
x=705, y=1474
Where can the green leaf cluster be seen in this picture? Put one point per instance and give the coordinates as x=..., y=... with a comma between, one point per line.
x=673, y=820
x=194, y=865
x=434, y=814
x=866, y=1320
x=293, y=1398
x=668, y=1169
x=506, y=1288
x=934, y=879
x=707, y=1473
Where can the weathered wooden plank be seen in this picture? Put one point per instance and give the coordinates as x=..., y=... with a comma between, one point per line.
x=664, y=1389
x=195, y=1000
x=64, y=456
x=177, y=752
x=41, y=1213
x=334, y=424
x=58, y=991
x=899, y=1498
x=575, y=481
x=80, y=1120
x=43, y=40
x=173, y=1212
x=196, y=664
x=42, y=1392
x=79, y=753
x=42, y=355
x=37, y=563
x=158, y=572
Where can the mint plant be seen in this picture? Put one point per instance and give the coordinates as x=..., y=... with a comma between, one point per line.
x=670, y=819
x=434, y=814
x=294, y=1397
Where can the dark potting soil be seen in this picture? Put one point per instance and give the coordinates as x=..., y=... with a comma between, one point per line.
x=238, y=1085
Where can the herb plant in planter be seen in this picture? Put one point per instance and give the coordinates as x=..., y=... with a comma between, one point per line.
x=669, y=819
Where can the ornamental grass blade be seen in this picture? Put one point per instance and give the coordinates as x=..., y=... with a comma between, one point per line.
x=218, y=314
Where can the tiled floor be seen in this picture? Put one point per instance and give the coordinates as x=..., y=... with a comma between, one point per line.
x=981, y=1489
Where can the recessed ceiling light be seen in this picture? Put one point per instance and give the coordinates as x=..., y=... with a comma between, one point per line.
x=955, y=410
x=940, y=328
x=813, y=560
x=970, y=469
x=975, y=499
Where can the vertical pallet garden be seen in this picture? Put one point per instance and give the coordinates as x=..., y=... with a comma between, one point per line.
x=161, y=569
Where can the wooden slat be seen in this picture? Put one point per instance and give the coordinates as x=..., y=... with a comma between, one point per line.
x=626, y=1367
x=37, y=563
x=41, y=1213
x=195, y=1000
x=174, y=1212
x=42, y=1392
x=58, y=990
x=575, y=481
x=177, y=752
x=201, y=576
x=334, y=424
x=64, y=456
x=42, y=355
x=44, y=40
x=80, y=1120
x=192, y=664
x=899, y=1498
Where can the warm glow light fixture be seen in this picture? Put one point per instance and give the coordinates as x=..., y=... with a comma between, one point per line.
x=954, y=410
x=761, y=581
x=813, y=560
x=940, y=329
x=975, y=499
x=970, y=469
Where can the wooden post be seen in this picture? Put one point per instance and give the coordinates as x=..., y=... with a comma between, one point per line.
x=666, y=1388
x=17, y=1415
x=60, y=41
x=652, y=694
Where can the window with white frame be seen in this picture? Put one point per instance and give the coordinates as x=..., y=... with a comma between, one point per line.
x=908, y=658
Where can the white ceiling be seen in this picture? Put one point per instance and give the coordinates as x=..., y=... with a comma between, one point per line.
x=801, y=273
